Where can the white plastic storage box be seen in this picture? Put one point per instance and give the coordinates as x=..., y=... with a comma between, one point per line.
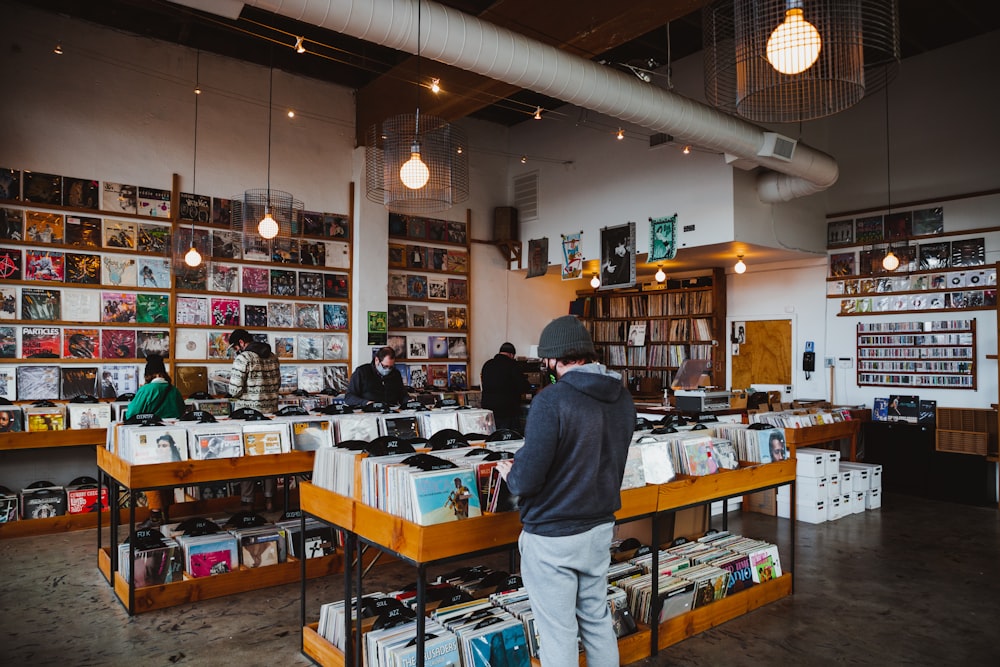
x=812, y=512
x=873, y=499
x=810, y=463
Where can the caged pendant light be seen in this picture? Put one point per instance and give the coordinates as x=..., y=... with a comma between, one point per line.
x=261, y=215
x=785, y=61
x=416, y=163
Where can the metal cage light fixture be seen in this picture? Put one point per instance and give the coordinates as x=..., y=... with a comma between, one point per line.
x=263, y=214
x=416, y=163
x=785, y=61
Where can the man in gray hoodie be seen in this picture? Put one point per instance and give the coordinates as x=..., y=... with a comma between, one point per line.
x=568, y=475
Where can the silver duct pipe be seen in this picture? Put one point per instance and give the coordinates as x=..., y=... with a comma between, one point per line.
x=464, y=41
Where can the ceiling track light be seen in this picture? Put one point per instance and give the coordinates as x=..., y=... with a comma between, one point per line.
x=58, y=50
x=595, y=281
x=435, y=85
x=620, y=135
x=524, y=159
x=538, y=113
x=291, y=113
x=197, y=89
x=299, y=46
x=687, y=150
x=740, y=267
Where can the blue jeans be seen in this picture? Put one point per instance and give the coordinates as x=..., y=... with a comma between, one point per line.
x=567, y=582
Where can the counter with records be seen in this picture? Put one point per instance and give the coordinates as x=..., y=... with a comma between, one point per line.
x=118, y=473
x=422, y=546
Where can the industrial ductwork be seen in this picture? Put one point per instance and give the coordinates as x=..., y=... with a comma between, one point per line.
x=455, y=38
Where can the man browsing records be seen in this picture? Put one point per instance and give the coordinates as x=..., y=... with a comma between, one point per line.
x=376, y=382
x=568, y=475
x=503, y=385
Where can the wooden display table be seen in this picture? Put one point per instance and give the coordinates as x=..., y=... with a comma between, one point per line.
x=817, y=435
x=120, y=473
x=22, y=441
x=422, y=545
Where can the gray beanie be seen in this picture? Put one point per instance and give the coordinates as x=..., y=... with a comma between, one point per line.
x=565, y=336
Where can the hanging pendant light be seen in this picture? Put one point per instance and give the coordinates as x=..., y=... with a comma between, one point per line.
x=595, y=282
x=660, y=275
x=192, y=257
x=785, y=61
x=740, y=266
x=416, y=163
x=261, y=215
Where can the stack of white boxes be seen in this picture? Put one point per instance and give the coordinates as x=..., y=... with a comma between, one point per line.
x=867, y=483
x=827, y=489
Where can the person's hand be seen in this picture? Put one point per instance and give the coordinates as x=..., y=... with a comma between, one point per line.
x=503, y=468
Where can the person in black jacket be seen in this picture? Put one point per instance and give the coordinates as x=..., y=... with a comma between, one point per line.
x=503, y=386
x=376, y=382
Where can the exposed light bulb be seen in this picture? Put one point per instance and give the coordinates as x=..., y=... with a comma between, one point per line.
x=740, y=267
x=595, y=282
x=687, y=150
x=660, y=275
x=299, y=46
x=268, y=226
x=192, y=258
x=538, y=113
x=459, y=150
x=524, y=159
x=58, y=50
x=620, y=135
x=794, y=45
x=414, y=172
x=435, y=85
x=291, y=113
x=890, y=262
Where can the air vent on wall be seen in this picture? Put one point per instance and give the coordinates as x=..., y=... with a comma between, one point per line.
x=777, y=146
x=660, y=139
x=526, y=195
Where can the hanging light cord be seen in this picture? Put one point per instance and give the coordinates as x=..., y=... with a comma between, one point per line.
x=416, y=122
x=270, y=98
x=888, y=157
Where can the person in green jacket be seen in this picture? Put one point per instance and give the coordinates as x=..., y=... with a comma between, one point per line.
x=157, y=396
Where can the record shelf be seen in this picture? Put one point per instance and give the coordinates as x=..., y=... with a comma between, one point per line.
x=117, y=473
x=19, y=441
x=424, y=545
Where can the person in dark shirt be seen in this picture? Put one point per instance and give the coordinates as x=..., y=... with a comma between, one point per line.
x=503, y=385
x=376, y=382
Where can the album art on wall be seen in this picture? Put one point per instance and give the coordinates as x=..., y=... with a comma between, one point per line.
x=119, y=271
x=41, y=304
x=83, y=232
x=152, y=342
x=80, y=192
x=338, y=255
x=312, y=253
x=195, y=208
x=311, y=223
x=153, y=239
x=222, y=211
x=280, y=315
x=10, y=183
x=191, y=278
x=840, y=232
x=868, y=230
x=307, y=315
x=538, y=257
x=254, y=315
x=256, y=280
x=282, y=282
x=11, y=224
x=335, y=286
x=81, y=343
x=225, y=312
x=285, y=251
x=42, y=188
x=202, y=242
x=618, y=256
x=118, y=234
x=898, y=226
x=118, y=307
x=842, y=264
x=118, y=198
x=153, y=202
x=10, y=263
x=8, y=303
x=41, y=342
x=224, y=278
x=572, y=264
x=83, y=269
x=152, y=308
x=928, y=221
x=118, y=344
x=226, y=244
x=311, y=284
x=192, y=310
x=335, y=378
x=335, y=316
x=44, y=265
x=154, y=272
x=44, y=227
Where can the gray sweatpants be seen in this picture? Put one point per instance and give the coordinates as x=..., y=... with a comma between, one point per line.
x=567, y=582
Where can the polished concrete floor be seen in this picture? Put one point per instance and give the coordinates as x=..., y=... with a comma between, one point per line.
x=915, y=583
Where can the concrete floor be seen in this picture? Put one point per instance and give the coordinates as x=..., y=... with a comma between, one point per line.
x=915, y=583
